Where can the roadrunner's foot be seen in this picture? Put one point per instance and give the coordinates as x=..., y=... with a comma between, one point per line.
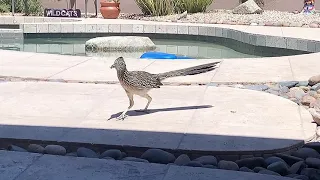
x=122, y=117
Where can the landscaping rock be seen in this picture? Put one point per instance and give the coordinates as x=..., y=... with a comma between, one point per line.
x=311, y=173
x=279, y=167
x=273, y=159
x=307, y=100
x=304, y=153
x=248, y=7
x=85, y=152
x=123, y=155
x=158, y=156
x=303, y=177
x=135, y=159
x=108, y=158
x=313, y=162
x=292, y=175
x=288, y=84
x=183, y=159
x=114, y=153
x=296, y=92
x=35, y=148
x=316, y=87
x=257, y=169
x=228, y=165
x=194, y=164
x=305, y=89
x=297, y=167
x=273, y=92
x=265, y=171
x=251, y=162
x=55, y=150
x=314, y=80
x=209, y=166
x=313, y=145
x=284, y=89
x=245, y=169
x=315, y=115
x=290, y=160
x=73, y=154
x=16, y=148
x=119, y=43
x=257, y=87
x=302, y=83
x=207, y=160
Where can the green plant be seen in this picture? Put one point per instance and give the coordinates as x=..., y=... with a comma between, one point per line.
x=22, y=6
x=156, y=7
x=192, y=6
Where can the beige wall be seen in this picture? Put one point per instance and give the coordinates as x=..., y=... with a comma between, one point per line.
x=129, y=6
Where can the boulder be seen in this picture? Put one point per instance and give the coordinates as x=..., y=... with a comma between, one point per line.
x=248, y=7
x=119, y=43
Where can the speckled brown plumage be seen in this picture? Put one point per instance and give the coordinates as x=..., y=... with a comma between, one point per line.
x=141, y=82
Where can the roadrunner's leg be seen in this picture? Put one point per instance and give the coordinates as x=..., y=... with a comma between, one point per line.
x=149, y=98
x=131, y=102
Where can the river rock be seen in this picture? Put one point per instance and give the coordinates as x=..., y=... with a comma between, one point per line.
x=85, y=152
x=279, y=167
x=265, y=171
x=135, y=159
x=251, y=162
x=55, y=150
x=297, y=167
x=273, y=159
x=302, y=177
x=158, y=156
x=114, y=153
x=257, y=169
x=245, y=169
x=284, y=89
x=257, y=87
x=288, y=84
x=314, y=80
x=304, y=153
x=16, y=148
x=312, y=173
x=292, y=175
x=194, y=164
x=181, y=160
x=35, y=148
x=73, y=154
x=120, y=43
x=207, y=160
x=228, y=165
x=210, y=166
x=316, y=87
x=313, y=162
x=302, y=83
x=313, y=145
x=288, y=159
x=248, y=7
x=296, y=92
x=315, y=115
x=307, y=100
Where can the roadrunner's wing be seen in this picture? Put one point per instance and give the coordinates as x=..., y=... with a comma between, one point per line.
x=142, y=80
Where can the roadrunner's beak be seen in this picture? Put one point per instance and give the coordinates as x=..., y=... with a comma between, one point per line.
x=113, y=66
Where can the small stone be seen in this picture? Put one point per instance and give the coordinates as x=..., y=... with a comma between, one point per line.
x=257, y=169
x=108, y=158
x=313, y=145
x=303, y=177
x=248, y=7
x=35, y=148
x=85, y=152
x=292, y=175
x=314, y=80
x=183, y=159
x=279, y=167
x=245, y=169
x=228, y=165
x=273, y=92
x=312, y=93
x=304, y=153
x=207, y=160
x=158, y=156
x=55, y=150
x=303, y=83
x=296, y=92
x=209, y=166
x=313, y=174
x=315, y=115
x=307, y=100
x=313, y=162
x=313, y=25
x=288, y=84
x=251, y=162
x=265, y=171
x=73, y=154
x=16, y=148
x=273, y=159
x=284, y=89
x=114, y=153
x=194, y=164
x=135, y=159
x=297, y=167
x=288, y=159
x=305, y=89
x=257, y=87
x=316, y=87
x=123, y=154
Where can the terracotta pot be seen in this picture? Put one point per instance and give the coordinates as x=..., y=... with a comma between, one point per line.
x=110, y=10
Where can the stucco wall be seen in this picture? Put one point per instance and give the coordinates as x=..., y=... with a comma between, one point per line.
x=129, y=6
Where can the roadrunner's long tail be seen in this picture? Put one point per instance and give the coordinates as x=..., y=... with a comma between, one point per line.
x=189, y=71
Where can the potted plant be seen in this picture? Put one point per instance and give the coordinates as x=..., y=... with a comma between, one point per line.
x=110, y=9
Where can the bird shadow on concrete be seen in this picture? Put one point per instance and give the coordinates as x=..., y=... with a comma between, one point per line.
x=150, y=111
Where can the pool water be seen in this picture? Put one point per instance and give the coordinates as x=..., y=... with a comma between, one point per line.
x=76, y=47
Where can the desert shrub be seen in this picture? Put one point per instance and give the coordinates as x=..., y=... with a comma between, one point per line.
x=156, y=7
x=192, y=6
x=31, y=7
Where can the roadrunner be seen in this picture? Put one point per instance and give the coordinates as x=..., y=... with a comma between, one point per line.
x=141, y=82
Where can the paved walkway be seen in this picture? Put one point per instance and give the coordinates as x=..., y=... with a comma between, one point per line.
x=30, y=166
x=203, y=118
x=51, y=66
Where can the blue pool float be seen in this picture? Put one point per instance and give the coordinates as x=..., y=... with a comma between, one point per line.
x=161, y=55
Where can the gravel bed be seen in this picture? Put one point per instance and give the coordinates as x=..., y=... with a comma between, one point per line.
x=268, y=17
